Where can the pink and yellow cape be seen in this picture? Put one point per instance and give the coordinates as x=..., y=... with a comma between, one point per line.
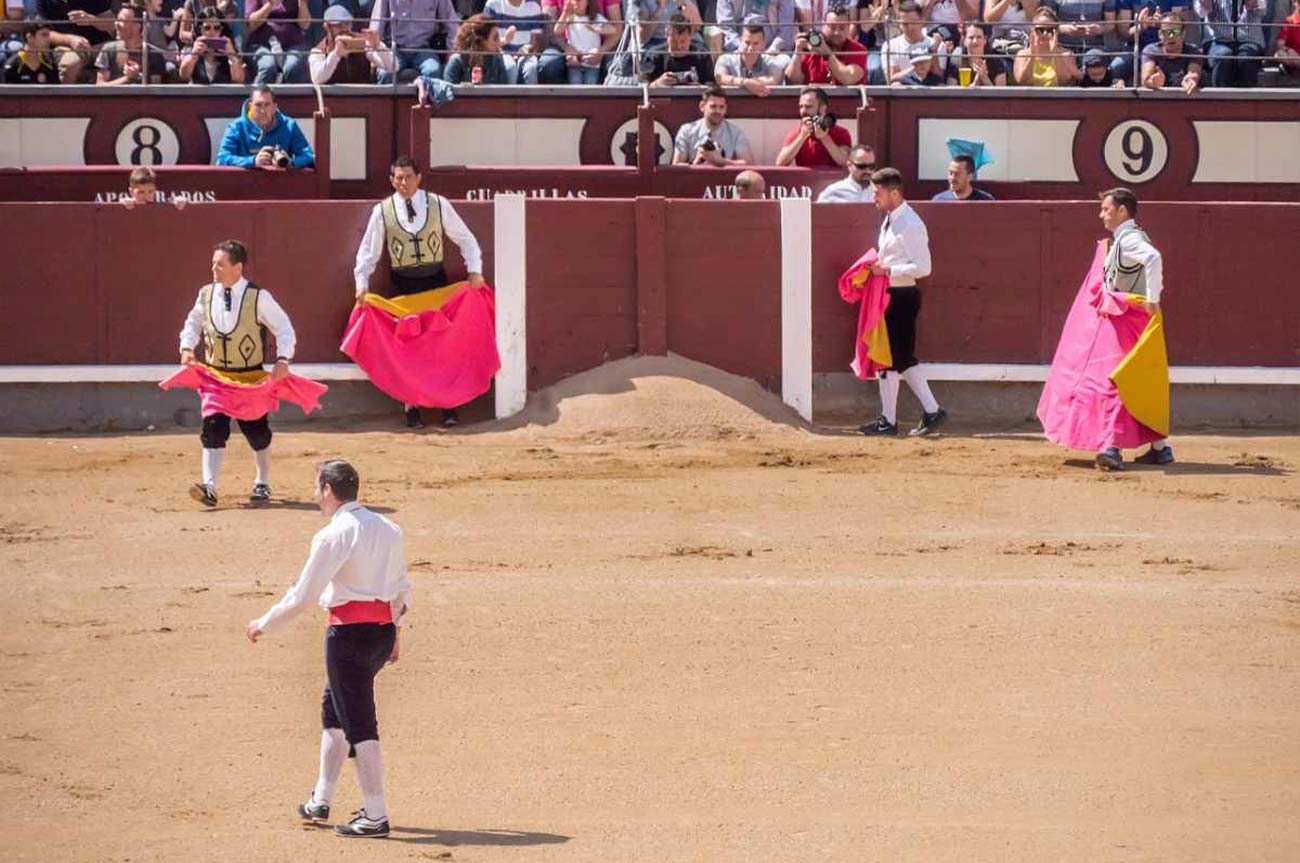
x=433, y=349
x=1109, y=381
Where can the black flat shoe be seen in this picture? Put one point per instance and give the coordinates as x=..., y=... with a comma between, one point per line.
x=929, y=422
x=879, y=427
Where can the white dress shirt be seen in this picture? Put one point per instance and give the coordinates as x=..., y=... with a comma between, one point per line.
x=372, y=244
x=1136, y=251
x=269, y=315
x=358, y=556
x=904, y=246
x=846, y=191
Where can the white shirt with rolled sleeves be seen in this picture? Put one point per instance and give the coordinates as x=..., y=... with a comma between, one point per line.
x=453, y=228
x=358, y=556
x=269, y=315
x=904, y=246
x=1136, y=249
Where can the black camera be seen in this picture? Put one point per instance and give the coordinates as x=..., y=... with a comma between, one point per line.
x=280, y=158
x=826, y=121
x=707, y=145
x=814, y=38
x=688, y=76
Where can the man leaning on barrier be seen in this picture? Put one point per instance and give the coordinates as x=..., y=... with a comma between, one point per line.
x=262, y=137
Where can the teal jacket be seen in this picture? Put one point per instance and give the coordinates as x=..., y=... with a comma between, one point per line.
x=244, y=138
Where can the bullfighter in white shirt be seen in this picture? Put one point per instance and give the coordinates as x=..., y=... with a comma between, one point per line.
x=903, y=248
x=356, y=571
x=411, y=224
x=232, y=315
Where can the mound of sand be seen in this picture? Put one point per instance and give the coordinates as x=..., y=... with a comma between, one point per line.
x=659, y=397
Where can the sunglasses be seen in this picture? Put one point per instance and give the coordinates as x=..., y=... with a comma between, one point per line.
x=863, y=166
x=211, y=28
x=1044, y=31
x=1172, y=31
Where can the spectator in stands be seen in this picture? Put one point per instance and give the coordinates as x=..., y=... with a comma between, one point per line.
x=524, y=35
x=34, y=63
x=262, y=136
x=971, y=65
x=869, y=19
x=1097, y=71
x=421, y=33
x=128, y=59
x=162, y=27
x=78, y=28
x=776, y=19
x=681, y=62
x=856, y=187
x=191, y=11
x=212, y=58
x=1140, y=20
x=750, y=186
x=275, y=38
x=478, y=46
x=344, y=57
x=923, y=72
x=11, y=25
x=1010, y=20
x=712, y=141
x=818, y=141
x=1166, y=63
x=553, y=65
x=1083, y=24
x=829, y=58
x=657, y=18
x=1288, y=41
x=898, y=50
x=945, y=17
x=749, y=68
x=582, y=36
x=1045, y=63
x=1234, y=40
x=961, y=174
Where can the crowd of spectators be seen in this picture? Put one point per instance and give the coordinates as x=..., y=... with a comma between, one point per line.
x=749, y=44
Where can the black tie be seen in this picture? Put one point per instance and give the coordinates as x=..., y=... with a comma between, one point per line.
x=226, y=297
x=410, y=210
x=885, y=227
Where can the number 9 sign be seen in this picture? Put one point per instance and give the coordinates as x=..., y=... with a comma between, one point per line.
x=1135, y=151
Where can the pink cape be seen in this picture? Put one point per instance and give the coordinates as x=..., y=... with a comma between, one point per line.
x=440, y=358
x=1080, y=407
x=246, y=401
x=871, y=336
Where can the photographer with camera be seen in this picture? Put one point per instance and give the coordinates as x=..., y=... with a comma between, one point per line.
x=264, y=138
x=683, y=61
x=711, y=140
x=818, y=141
x=344, y=57
x=828, y=55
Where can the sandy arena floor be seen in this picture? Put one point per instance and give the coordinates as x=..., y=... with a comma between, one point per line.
x=656, y=625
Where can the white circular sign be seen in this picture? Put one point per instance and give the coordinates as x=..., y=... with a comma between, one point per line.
x=1135, y=151
x=622, y=147
x=147, y=141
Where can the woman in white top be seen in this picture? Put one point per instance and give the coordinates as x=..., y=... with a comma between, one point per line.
x=580, y=35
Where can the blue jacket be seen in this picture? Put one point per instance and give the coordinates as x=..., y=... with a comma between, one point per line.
x=244, y=138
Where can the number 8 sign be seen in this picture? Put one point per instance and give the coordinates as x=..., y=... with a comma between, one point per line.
x=147, y=141
x=1135, y=151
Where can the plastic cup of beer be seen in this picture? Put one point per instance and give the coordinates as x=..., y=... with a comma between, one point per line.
x=965, y=76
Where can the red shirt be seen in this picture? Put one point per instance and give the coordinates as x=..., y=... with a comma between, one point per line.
x=817, y=67
x=1291, y=35
x=813, y=153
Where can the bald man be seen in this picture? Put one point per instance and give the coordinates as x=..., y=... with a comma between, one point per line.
x=750, y=186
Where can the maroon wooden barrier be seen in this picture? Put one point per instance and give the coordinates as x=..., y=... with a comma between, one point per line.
x=107, y=183
x=101, y=284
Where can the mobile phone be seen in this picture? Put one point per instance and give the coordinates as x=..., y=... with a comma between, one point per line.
x=215, y=43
